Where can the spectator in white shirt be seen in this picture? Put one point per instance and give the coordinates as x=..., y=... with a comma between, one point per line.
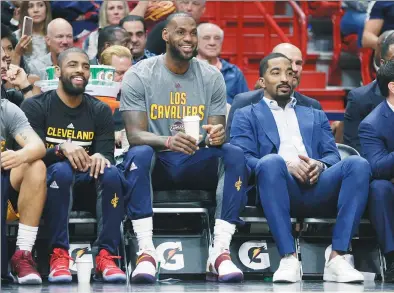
x=59, y=38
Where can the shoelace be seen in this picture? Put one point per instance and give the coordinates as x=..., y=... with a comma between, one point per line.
x=26, y=262
x=107, y=261
x=344, y=265
x=286, y=264
x=60, y=260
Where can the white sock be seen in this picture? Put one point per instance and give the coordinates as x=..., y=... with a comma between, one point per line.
x=223, y=232
x=26, y=237
x=143, y=228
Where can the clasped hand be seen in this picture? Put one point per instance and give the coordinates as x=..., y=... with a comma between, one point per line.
x=306, y=170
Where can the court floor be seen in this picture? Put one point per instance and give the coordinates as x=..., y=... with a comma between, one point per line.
x=201, y=286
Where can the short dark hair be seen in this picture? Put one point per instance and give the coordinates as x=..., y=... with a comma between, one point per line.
x=7, y=33
x=133, y=18
x=177, y=14
x=65, y=53
x=385, y=76
x=387, y=42
x=264, y=63
x=107, y=35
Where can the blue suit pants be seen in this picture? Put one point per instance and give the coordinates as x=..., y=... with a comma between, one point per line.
x=381, y=212
x=341, y=192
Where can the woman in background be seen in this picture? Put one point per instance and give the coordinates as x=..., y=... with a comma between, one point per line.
x=111, y=12
x=40, y=12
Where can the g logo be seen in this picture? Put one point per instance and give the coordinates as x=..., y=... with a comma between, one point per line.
x=79, y=251
x=251, y=255
x=171, y=258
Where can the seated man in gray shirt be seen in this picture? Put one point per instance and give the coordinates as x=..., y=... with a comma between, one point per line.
x=156, y=94
x=59, y=38
x=23, y=190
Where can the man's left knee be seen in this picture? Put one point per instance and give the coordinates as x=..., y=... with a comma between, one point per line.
x=358, y=163
x=110, y=176
x=232, y=154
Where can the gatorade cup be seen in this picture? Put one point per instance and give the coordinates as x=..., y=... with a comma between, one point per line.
x=84, y=267
x=51, y=73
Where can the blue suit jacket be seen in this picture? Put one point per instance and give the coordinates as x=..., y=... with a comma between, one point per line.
x=377, y=141
x=360, y=102
x=253, y=97
x=254, y=130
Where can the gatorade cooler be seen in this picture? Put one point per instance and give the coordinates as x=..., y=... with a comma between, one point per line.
x=107, y=93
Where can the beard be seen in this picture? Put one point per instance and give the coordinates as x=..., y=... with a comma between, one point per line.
x=70, y=89
x=177, y=54
x=282, y=97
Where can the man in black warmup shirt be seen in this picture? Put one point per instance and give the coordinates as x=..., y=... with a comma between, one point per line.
x=79, y=134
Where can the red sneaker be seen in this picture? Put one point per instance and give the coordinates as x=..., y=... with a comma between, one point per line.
x=145, y=270
x=106, y=268
x=24, y=269
x=59, y=266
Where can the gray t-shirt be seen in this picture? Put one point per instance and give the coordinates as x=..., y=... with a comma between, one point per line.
x=166, y=97
x=12, y=122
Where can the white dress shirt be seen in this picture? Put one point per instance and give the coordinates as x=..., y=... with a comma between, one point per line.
x=391, y=106
x=291, y=144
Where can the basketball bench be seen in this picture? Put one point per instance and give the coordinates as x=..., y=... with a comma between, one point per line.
x=183, y=251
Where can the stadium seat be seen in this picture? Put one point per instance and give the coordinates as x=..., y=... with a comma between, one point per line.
x=368, y=73
x=252, y=100
x=255, y=214
x=346, y=151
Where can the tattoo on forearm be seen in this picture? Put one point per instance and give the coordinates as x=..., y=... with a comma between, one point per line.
x=23, y=135
x=214, y=120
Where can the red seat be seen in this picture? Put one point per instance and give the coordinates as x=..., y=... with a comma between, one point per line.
x=368, y=73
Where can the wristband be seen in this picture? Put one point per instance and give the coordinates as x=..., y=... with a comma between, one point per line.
x=27, y=89
x=167, y=143
x=58, y=151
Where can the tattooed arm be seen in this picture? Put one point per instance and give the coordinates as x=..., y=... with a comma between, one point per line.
x=32, y=146
x=215, y=120
x=136, y=124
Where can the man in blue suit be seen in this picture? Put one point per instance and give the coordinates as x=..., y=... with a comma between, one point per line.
x=292, y=154
x=362, y=100
x=253, y=97
x=377, y=145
